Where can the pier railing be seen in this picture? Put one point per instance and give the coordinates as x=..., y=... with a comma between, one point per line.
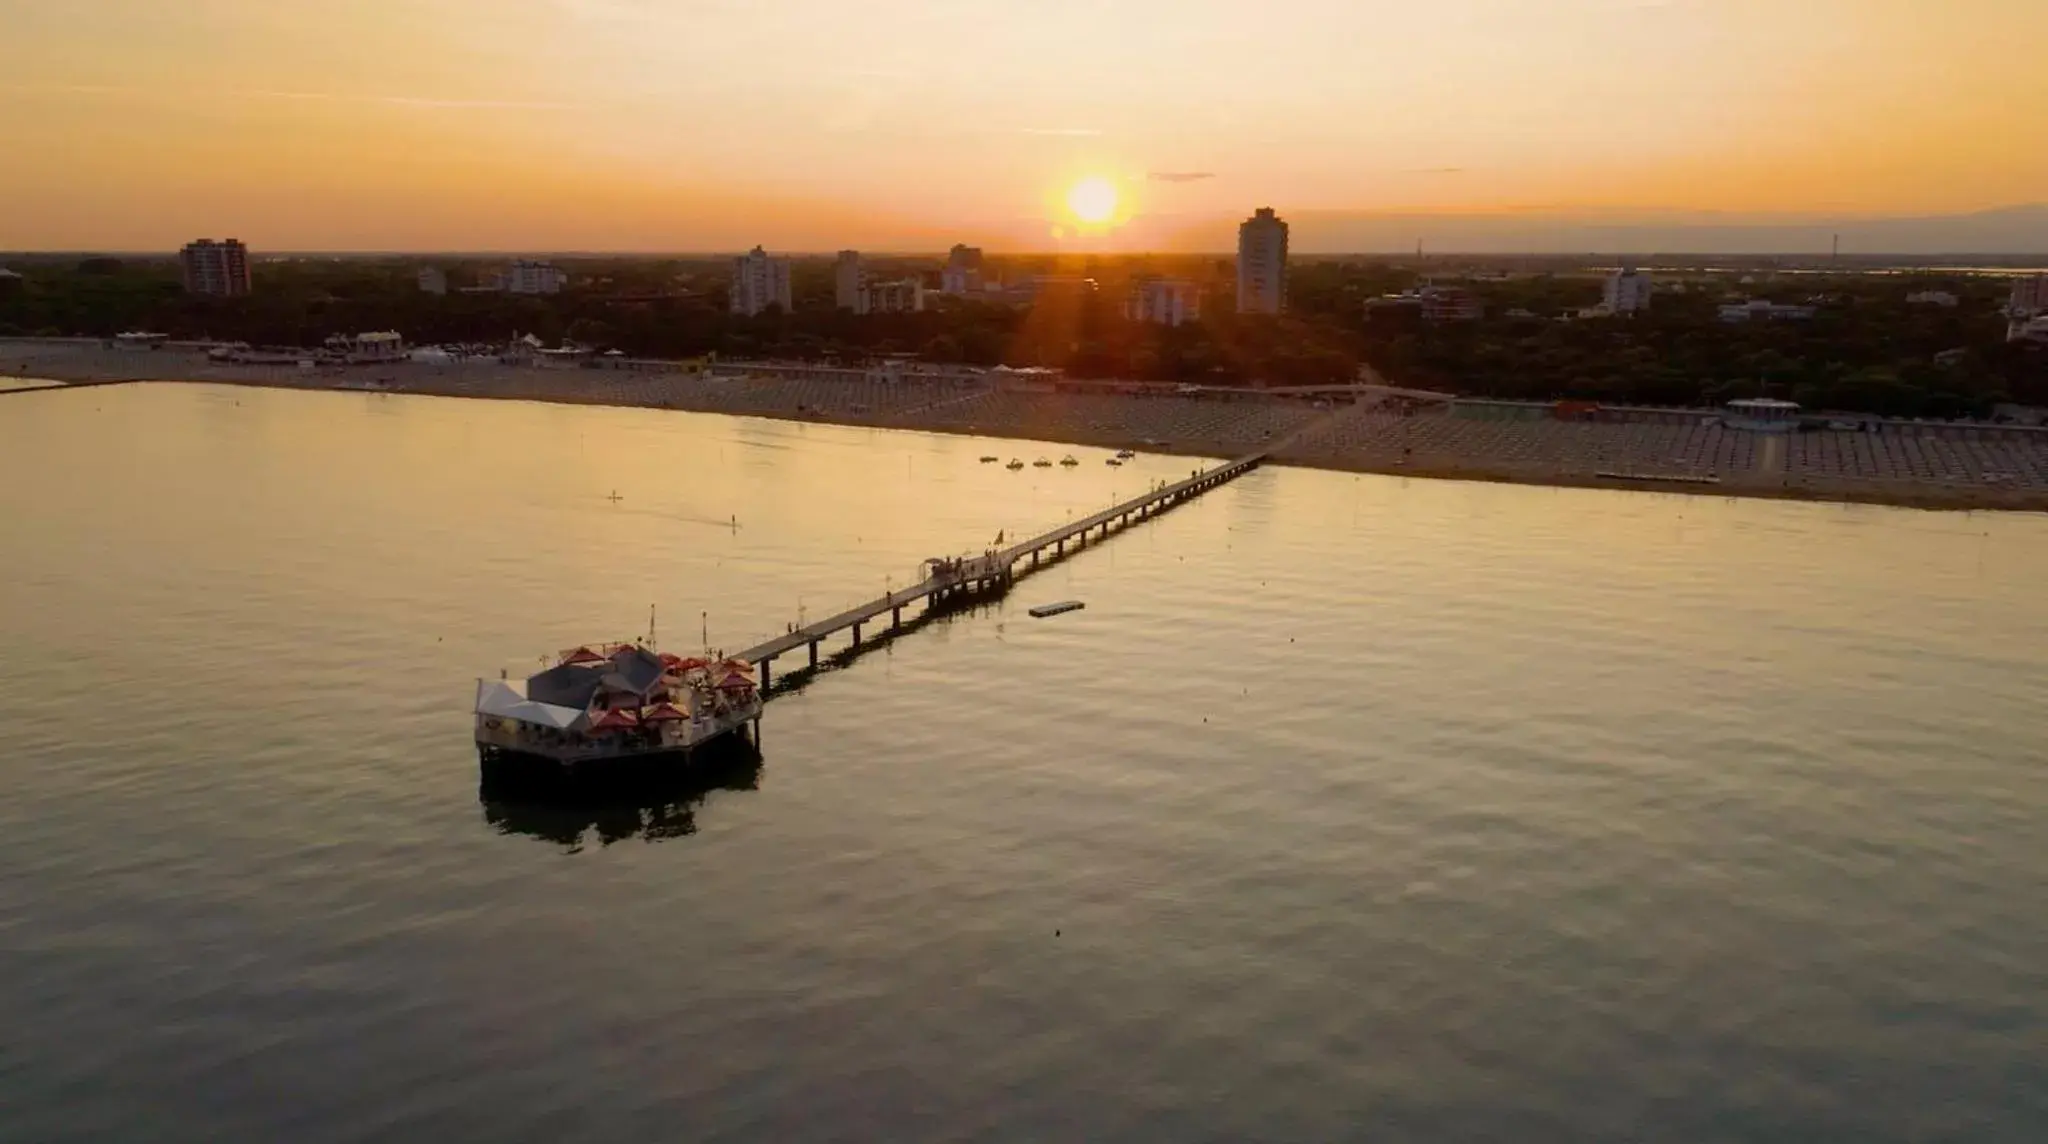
x=993, y=572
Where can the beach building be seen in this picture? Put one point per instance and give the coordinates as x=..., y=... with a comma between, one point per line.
x=1759, y=310
x=433, y=280
x=1626, y=292
x=220, y=269
x=847, y=281
x=905, y=296
x=614, y=703
x=759, y=282
x=2029, y=297
x=962, y=275
x=564, y=356
x=528, y=276
x=2033, y=331
x=1762, y=415
x=1262, y=263
x=1942, y=298
x=1164, y=302
x=367, y=349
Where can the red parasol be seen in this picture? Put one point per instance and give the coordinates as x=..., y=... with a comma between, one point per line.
x=664, y=713
x=619, y=719
x=583, y=655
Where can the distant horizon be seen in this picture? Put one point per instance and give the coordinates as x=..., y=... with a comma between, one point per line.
x=2013, y=232
x=1932, y=260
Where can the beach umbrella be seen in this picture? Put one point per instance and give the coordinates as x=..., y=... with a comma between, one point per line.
x=619, y=718
x=663, y=713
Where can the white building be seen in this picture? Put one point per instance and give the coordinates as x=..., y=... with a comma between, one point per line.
x=847, y=281
x=433, y=280
x=901, y=297
x=962, y=275
x=1262, y=264
x=1940, y=298
x=1762, y=311
x=1164, y=302
x=759, y=282
x=2029, y=297
x=529, y=277
x=1627, y=291
x=2032, y=330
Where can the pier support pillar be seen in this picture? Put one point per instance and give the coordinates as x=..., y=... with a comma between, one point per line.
x=856, y=635
x=767, y=672
x=814, y=655
x=897, y=612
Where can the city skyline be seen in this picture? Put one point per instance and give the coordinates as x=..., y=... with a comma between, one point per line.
x=632, y=125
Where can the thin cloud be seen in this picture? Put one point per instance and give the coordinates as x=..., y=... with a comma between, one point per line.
x=424, y=101
x=1437, y=171
x=1179, y=176
x=1069, y=132
x=410, y=101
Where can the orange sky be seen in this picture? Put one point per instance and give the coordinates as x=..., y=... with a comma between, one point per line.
x=814, y=124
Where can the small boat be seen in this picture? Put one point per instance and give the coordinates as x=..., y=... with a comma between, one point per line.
x=1014, y=464
x=1043, y=610
x=1069, y=461
x=1114, y=463
x=1126, y=454
x=1041, y=463
x=990, y=460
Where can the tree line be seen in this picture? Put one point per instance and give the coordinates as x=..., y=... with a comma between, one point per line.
x=1866, y=350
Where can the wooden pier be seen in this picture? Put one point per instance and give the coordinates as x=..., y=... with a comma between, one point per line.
x=993, y=572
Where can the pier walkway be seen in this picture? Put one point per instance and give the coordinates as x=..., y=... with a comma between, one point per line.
x=991, y=573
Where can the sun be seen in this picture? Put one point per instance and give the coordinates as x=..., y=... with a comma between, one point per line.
x=1093, y=199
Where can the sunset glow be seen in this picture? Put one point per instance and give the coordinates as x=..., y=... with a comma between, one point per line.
x=1093, y=200
x=811, y=124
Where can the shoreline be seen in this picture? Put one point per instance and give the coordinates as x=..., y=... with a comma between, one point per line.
x=1177, y=426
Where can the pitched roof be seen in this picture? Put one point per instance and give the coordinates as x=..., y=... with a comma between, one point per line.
x=570, y=685
x=634, y=669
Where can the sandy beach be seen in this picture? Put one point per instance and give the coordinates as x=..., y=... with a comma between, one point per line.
x=1931, y=466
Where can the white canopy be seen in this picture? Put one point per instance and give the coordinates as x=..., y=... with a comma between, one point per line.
x=504, y=699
